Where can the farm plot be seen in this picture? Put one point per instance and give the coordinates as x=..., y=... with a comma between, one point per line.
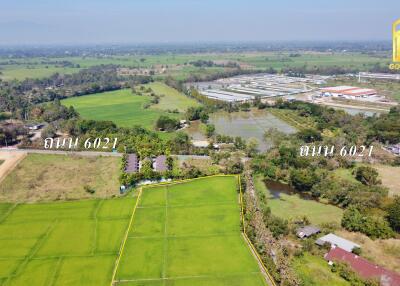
x=65, y=243
x=188, y=233
x=48, y=177
x=121, y=106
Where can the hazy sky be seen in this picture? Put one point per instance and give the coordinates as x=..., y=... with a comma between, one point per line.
x=143, y=21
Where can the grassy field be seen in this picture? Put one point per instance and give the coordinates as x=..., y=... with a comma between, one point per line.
x=315, y=271
x=65, y=243
x=50, y=177
x=293, y=206
x=171, y=99
x=121, y=106
x=188, y=234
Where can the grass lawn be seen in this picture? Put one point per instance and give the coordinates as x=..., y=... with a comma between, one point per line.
x=172, y=98
x=62, y=243
x=314, y=270
x=42, y=177
x=188, y=234
x=120, y=106
x=293, y=206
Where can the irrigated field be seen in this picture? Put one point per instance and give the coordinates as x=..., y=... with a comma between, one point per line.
x=42, y=177
x=188, y=234
x=68, y=243
x=121, y=106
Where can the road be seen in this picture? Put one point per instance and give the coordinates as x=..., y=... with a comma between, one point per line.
x=10, y=160
x=56, y=152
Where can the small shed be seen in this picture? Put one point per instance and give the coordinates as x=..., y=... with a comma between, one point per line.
x=307, y=231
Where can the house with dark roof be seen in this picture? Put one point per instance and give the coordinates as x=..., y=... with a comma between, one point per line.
x=363, y=267
x=132, y=165
x=307, y=231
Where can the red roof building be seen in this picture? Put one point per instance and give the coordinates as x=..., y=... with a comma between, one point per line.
x=363, y=267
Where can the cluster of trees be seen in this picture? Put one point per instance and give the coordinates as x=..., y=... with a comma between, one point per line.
x=373, y=226
x=166, y=123
x=197, y=113
x=384, y=128
x=313, y=175
x=9, y=133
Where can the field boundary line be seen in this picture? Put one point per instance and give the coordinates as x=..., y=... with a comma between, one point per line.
x=253, y=249
x=121, y=250
x=53, y=279
x=186, y=180
x=8, y=213
x=165, y=248
x=191, y=277
x=96, y=221
x=35, y=248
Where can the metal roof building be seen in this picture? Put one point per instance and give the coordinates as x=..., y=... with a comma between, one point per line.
x=337, y=241
x=363, y=267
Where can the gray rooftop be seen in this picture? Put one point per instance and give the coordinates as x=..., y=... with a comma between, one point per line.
x=337, y=241
x=133, y=164
x=160, y=163
x=307, y=231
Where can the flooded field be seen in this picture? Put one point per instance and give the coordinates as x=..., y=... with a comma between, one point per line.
x=249, y=124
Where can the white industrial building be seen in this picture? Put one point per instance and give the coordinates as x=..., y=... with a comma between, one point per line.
x=348, y=92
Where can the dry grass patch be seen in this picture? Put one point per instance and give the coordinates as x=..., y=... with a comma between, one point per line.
x=42, y=177
x=390, y=177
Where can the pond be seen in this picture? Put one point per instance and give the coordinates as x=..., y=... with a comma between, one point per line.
x=276, y=189
x=251, y=124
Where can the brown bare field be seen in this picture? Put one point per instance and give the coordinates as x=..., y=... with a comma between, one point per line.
x=384, y=252
x=41, y=177
x=390, y=177
x=10, y=161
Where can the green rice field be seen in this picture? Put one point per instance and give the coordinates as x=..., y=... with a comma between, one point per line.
x=120, y=106
x=62, y=243
x=188, y=234
x=181, y=234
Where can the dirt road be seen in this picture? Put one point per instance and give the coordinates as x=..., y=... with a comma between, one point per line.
x=11, y=160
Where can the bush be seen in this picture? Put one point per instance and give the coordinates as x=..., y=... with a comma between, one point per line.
x=367, y=175
x=374, y=227
x=89, y=189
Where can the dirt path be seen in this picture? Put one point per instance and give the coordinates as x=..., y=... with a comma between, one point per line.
x=11, y=160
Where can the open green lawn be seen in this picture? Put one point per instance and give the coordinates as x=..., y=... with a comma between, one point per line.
x=188, y=234
x=121, y=106
x=45, y=177
x=171, y=98
x=315, y=271
x=62, y=243
x=293, y=206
